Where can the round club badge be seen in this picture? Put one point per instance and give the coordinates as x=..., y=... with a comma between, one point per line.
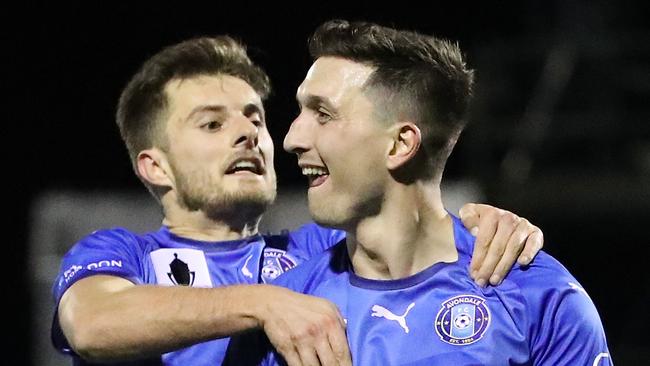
x=276, y=262
x=462, y=320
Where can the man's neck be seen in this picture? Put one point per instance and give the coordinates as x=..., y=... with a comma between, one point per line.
x=412, y=232
x=197, y=225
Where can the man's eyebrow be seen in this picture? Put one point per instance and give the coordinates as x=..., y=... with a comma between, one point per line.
x=252, y=108
x=316, y=101
x=205, y=108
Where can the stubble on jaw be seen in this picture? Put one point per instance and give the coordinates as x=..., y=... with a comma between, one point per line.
x=197, y=192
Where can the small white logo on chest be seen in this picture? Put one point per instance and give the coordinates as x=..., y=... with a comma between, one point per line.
x=381, y=312
x=245, y=270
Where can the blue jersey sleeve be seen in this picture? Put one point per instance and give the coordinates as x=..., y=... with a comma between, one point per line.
x=564, y=325
x=109, y=252
x=571, y=332
x=312, y=239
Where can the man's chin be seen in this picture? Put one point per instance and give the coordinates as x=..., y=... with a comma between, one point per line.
x=326, y=218
x=253, y=202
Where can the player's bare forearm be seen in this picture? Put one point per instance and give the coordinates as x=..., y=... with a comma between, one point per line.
x=108, y=318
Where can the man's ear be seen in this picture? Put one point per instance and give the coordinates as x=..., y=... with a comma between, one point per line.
x=406, y=141
x=153, y=168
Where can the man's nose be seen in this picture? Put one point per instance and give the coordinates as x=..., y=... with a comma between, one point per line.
x=297, y=139
x=247, y=132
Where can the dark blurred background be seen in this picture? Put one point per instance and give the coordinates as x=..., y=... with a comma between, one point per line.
x=560, y=128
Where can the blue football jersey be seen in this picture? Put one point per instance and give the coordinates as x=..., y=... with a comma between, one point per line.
x=163, y=258
x=539, y=315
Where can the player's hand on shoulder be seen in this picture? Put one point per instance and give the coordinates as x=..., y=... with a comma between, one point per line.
x=501, y=238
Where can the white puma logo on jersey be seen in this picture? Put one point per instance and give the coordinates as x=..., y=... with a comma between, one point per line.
x=381, y=312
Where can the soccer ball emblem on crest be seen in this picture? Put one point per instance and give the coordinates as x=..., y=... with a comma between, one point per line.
x=462, y=320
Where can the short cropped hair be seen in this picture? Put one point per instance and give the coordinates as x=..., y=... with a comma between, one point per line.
x=417, y=77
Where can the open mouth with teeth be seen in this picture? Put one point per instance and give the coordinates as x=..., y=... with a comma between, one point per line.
x=246, y=166
x=316, y=175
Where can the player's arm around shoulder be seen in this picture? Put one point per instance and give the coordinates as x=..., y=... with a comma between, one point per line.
x=564, y=325
x=108, y=318
x=106, y=313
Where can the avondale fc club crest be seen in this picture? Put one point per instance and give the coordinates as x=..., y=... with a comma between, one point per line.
x=462, y=320
x=275, y=263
